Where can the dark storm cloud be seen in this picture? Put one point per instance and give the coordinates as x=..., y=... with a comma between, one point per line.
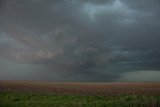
x=73, y=40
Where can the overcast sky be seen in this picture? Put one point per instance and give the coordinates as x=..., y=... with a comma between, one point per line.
x=80, y=40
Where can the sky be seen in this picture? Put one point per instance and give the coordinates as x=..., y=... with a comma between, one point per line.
x=80, y=40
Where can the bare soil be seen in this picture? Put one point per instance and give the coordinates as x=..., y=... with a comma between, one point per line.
x=82, y=88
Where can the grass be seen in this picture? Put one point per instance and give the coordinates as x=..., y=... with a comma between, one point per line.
x=23, y=99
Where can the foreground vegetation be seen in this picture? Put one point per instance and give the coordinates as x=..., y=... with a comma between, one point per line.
x=15, y=99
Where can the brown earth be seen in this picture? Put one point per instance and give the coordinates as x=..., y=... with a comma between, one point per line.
x=82, y=88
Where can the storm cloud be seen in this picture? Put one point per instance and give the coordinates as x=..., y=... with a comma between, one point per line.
x=79, y=40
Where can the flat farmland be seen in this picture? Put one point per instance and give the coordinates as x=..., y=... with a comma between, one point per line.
x=78, y=94
x=82, y=88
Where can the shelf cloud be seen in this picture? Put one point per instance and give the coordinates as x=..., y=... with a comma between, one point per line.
x=79, y=40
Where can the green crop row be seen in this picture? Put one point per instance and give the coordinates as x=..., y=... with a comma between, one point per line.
x=15, y=99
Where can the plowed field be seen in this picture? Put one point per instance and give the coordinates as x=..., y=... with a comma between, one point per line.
x=85, y=88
